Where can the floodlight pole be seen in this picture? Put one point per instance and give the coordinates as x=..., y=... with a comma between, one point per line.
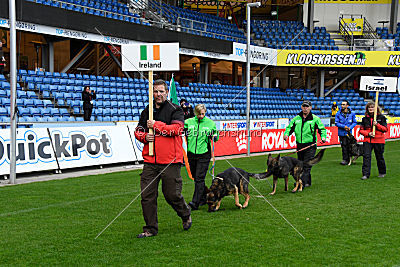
x=13, y=85
x=249, y=6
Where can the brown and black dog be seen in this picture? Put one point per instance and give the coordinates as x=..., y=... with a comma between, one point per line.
x=281, y=167
x=231, y=181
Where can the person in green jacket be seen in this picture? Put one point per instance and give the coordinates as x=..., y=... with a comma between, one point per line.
x=199, y=132
x=305, y=127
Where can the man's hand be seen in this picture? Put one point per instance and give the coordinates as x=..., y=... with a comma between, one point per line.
x=150, y=137
x=374, y=123
x=371, y=134
x=285, y=138
x=150, y=124
x=347, y=128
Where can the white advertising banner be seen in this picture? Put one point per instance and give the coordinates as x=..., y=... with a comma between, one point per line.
x=150, y=56
x=69, y=147
x=378, y=84
x=258, y=54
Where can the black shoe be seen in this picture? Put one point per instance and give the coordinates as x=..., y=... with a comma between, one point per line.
x=145, y=234
x=193, y=206
x=344, y=162
x=187, y=223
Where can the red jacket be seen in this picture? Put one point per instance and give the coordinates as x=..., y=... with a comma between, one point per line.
x=380, y=130
x=168, y=129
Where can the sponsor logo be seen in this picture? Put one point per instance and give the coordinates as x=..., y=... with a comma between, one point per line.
x=394, y=131
x=394, y=60
x=31, y=149
x=326, y=59
x=241, y=141
x=233, y=125
x=274, y=140
x=139, y=145
x=263, y=124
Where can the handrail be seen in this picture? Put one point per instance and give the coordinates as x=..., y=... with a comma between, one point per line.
x=347, y=34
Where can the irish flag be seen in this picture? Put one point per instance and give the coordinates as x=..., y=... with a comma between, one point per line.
x=149, y=52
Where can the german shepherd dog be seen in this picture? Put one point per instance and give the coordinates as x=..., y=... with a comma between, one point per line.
x=281, y=167
x=356, y=150
x=231, y=181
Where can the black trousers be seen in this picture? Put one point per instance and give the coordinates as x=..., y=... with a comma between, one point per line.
x=345, y=144
x=306, y=155
x=87, y=114
x=379, y=149
x=171, y=188
x=199, y=166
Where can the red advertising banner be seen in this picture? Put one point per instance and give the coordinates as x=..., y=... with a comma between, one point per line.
x=235, y=142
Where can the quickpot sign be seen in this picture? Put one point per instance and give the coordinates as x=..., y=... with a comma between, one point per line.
x=31, y=149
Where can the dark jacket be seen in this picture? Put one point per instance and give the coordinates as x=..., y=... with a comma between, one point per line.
x=168, y=130
x=345, y=119
x=380, y=130
x=188, y=112
x=87, y=97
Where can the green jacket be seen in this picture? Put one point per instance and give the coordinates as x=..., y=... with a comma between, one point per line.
x=306, y=129
x=199, y=134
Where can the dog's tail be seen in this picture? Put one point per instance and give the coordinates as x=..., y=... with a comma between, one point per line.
x=261, y=176
x=316, y=159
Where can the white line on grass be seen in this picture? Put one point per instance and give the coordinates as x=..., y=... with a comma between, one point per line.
x=268, y=201
x=133, y=200
x=62, y=204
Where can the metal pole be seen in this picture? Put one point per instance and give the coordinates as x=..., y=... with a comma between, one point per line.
x=13, y=84
x=248, y=81
x=249, y=6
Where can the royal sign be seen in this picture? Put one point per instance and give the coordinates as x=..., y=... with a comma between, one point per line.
x=150, y=56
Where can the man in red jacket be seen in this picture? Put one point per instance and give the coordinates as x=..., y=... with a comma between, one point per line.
x=373, y=141
x=165, y=165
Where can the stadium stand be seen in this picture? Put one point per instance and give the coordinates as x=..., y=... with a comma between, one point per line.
x=106, y=8
x=202, y=24
x=281, y=34
x=322, y=105
x=53, y=96
x=390, y=102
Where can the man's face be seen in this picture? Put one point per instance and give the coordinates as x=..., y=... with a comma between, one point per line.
x=159, y=94
x=344, y=105
x=306, y=109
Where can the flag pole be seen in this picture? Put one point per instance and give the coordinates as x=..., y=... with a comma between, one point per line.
x=375, y=111
x=151, y=131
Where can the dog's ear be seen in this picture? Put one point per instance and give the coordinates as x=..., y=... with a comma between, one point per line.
x=269, y=158
x=279, y=156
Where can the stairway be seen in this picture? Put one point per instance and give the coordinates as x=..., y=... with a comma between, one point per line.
x=339, y=41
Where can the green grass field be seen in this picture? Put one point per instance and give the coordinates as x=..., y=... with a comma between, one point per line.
x=345, y=221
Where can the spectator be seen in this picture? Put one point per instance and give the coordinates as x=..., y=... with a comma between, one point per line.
x=334, y=109
x=187, y=109
x=305, y=127
x=2, y=64
x=166, y=163
x=345, y=120
x=373, y=141
x=199, y=130
x=87, y=97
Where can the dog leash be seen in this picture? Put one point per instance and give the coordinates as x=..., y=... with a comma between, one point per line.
x=304, y=148
x=211, y=170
